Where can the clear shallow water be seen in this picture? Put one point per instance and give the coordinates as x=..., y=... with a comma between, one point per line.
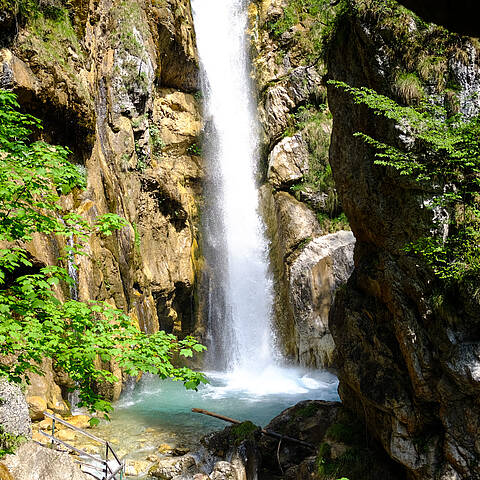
x=157, y=412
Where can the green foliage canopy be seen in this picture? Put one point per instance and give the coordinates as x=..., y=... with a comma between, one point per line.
x=34, y=323
x=445, y=159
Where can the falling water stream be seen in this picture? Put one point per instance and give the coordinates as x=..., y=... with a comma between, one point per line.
x=233, y=149
x=247, y=378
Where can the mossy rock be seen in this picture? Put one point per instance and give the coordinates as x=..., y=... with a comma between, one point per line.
x=231, y=437
x=9, y=442
x=244, y=431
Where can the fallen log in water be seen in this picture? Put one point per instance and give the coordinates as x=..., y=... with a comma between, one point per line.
x=265, y=432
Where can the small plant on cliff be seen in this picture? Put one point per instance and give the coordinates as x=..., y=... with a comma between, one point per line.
x=445, y=161
x=194, y=149
x=34, y=322
x=9, y=442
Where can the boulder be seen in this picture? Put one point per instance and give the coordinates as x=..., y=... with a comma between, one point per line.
x=164, y=448
x=308, y=269
x=308, y=421
x=323, y=265
x=136, y=468
x=80, y=421
x=170, y=467
x=66, y=435
x=295, y=220
x=236, y=449
x=288, y=161
x=35, y=462
x=44, y=387
x=14, y=416
x=228, y=471
x=36, y=407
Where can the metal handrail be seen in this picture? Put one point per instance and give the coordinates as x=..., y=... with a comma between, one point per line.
x=73, y=427
x=108, y=472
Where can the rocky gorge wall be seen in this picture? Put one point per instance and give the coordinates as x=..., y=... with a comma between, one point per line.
x=116, y=83
x=311, y=256
x=407, y=349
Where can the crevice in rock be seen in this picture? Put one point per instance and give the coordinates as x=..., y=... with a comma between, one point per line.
x=61, y=126
x=167, y=201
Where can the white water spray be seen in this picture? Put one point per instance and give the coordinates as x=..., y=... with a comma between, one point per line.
x=72, y=268
x=220, y=27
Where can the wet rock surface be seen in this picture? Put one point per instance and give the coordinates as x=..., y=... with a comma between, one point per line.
x=322, y=267
x=291, y=94
x=310, y=268
x=230, y=454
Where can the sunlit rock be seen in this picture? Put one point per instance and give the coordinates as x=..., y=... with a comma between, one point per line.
x=14, y=416
x=36, y=407
x=287, y=162
x=169, y=467
x=35, y=462
x=323, y=265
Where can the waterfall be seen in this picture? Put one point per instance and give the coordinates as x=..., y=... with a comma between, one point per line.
x=72, y=268
x=240, y=293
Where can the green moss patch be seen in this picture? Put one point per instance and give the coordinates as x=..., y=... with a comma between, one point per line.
x=315, y=124
x=9, y=442
x=244, y=431
x=307, y=411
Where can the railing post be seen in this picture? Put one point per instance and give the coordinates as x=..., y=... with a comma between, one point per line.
x=106, y=460
x=53, y=430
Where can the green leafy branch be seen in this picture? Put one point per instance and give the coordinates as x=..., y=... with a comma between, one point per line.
x=444, y=159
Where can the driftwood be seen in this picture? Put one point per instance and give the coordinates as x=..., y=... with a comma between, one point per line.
x=265, y=432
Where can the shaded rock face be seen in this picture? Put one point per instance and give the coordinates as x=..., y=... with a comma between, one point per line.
x=340, y=446
x=456, y=16
x=335, y=445
x=35, y=462
x=405, y=364
x=116, y=91
x=307, y=421
x=172, y=27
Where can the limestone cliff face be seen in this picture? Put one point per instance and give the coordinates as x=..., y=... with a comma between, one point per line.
x=408, y=356
x=114, y=81
x=291, y=96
